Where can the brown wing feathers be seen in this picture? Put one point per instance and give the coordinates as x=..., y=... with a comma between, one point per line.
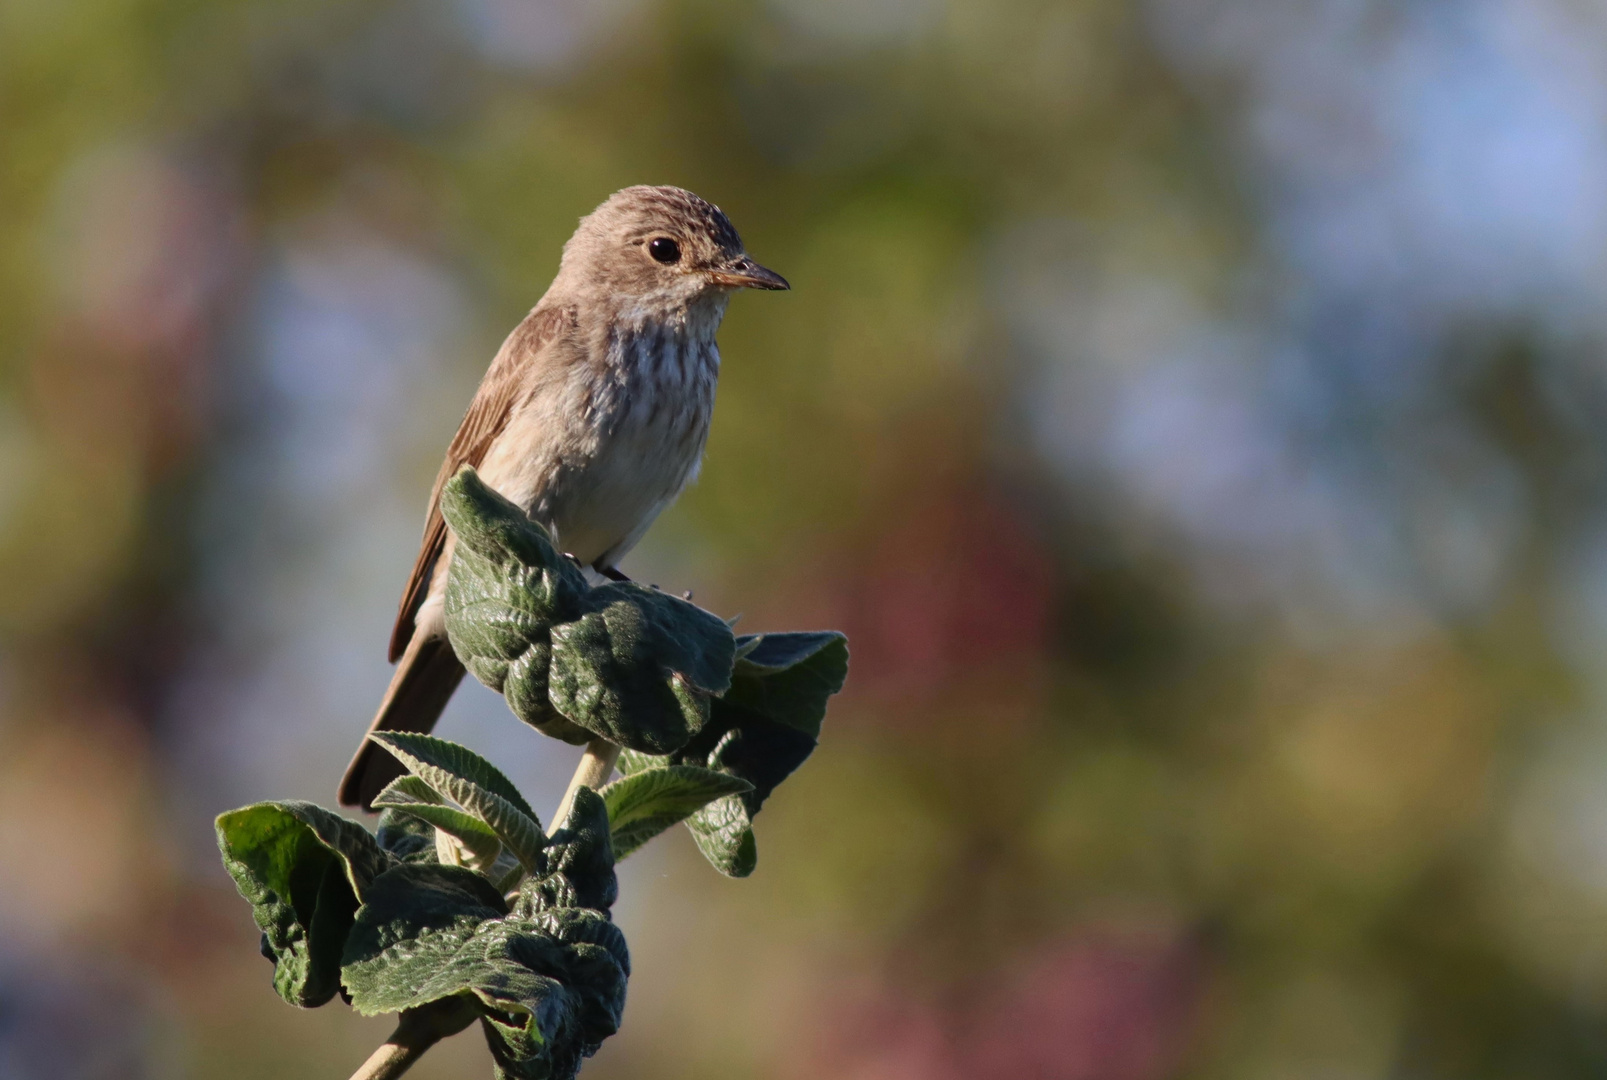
x=428, y=671
x=487, y=416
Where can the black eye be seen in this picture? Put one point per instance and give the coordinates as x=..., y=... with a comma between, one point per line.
x=664, y=250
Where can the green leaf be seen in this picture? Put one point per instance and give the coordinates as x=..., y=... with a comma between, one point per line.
x=498, y=531
x=405, y=838
x=673, y=633
x=580, y=861
x=634, y=761
x=724, y=834
x=384, y=968
x=645, y=803
x=505, y=873
x=302, y=869
x=760, y=751
x=475, y=785
x=550, y=986
x=590, y=965
x=456, y=759
x=789, y=677
x=411, y=795
x=409, y=790
x=632, y=664
x=760, y=731
x=506, y=585
x=528, y=694
x=723, y=829
x=639, y=667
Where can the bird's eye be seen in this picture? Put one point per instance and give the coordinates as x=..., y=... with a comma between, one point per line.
x=664, y=250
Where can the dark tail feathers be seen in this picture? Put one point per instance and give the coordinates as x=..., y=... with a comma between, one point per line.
x=425, y=678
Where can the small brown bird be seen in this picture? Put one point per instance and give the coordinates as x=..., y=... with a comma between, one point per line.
x=592, y=417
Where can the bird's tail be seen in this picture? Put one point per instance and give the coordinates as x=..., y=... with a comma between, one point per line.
x=425, y=678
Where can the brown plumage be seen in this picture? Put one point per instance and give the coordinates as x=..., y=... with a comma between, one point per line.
x=592, y=417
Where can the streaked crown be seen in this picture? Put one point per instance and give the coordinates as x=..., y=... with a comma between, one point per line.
x=660, y=244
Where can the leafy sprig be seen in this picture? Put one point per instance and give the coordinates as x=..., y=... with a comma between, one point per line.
x=460, y=908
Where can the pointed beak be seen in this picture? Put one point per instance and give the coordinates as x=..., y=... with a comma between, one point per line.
x=744, y=273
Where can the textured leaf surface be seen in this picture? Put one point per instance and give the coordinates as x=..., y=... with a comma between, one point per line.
x=406, y=926
x=743, y=744
x=409, y=790
x=412, y=796
x=584, y=967
x=548, y=981
x=405, y=838
x=497, y=530
x=645, y=803
x=506, y=586
x=456, y=759
x=580, y=861
x=764, y=727
x=724, y=833
x=632, y=664
x=475, y=785
x=639, y=668
x=789, y=677
x=302, y=870
x=673, y=633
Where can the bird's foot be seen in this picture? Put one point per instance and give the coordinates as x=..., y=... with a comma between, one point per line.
x=614, y=573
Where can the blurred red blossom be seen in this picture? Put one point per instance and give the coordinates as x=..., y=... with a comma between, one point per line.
x=1099, y=1005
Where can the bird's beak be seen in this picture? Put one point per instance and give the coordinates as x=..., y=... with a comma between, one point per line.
x=744, y=273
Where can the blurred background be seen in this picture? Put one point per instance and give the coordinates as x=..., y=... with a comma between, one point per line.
x=1195, y=412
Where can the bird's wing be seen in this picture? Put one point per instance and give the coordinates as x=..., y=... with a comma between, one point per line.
x=487, y=416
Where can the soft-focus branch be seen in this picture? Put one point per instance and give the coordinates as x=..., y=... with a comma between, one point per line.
x=416, y=1031
x=596, y=766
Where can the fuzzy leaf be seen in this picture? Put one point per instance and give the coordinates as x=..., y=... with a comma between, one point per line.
x=634, y=761
x=789, y=677
x=411, y=795
x=645, y=803
x=764, y=727
x=383, y=968
x=671, y=632
x=724, y=834
x=497, y=530
x=506, y=586
x=549, y=984
x=580, y=862
x=456, y=759
x=639, y=668
x=409, y=790
x=760, y=751
x=475, y=785
x=405, y=838
x=629, y=663
x=302, y=869
x=583, y=967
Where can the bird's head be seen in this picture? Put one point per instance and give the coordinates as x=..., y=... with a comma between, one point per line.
x=660, y=247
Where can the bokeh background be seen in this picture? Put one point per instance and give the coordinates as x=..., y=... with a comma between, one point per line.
x=1195, y=412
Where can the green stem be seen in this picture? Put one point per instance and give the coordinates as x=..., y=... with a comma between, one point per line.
x=596, y=766
x=416, y=1031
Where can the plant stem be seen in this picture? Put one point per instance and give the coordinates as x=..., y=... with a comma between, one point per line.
x=596, y=766
x=416, y=1031
x=392, y=1059
x=419, y=1029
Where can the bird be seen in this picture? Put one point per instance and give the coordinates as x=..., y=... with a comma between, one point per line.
x=592, y=417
